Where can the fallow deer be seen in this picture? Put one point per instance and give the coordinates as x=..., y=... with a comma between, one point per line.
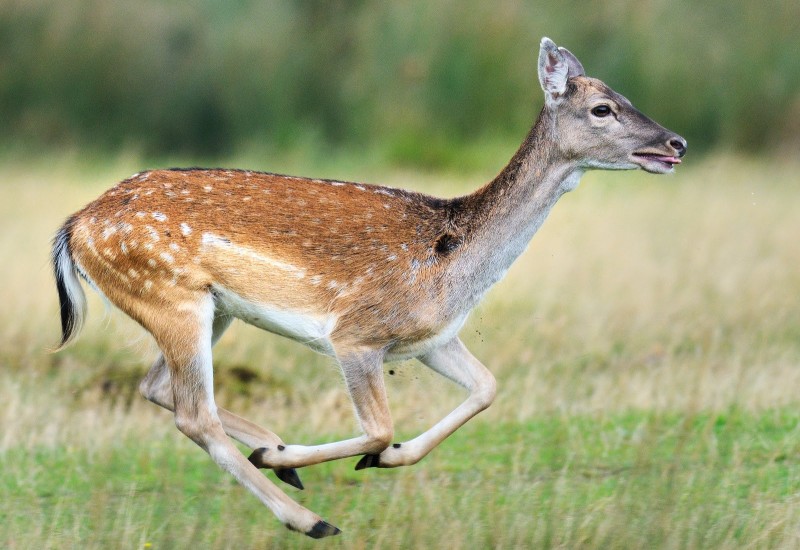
x=362, y=273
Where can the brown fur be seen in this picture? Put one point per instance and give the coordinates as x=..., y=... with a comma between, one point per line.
x=359, y=247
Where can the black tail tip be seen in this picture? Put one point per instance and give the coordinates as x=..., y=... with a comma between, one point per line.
x=323, y=529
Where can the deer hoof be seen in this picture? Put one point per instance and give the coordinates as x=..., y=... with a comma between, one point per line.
x=323, y=529
x=289, y=475
x=369, y=461
x=256, y=458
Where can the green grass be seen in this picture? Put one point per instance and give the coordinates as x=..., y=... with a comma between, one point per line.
x=630, y=480
x=646, y=348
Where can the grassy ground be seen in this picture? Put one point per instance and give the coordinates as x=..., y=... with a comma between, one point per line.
x=647, y=348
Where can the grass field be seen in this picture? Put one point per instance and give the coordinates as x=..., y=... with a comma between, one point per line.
x=647, y=349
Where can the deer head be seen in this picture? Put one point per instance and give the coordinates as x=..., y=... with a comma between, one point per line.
x=597, y=127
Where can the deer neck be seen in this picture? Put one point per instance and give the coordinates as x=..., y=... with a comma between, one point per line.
x=502, y=217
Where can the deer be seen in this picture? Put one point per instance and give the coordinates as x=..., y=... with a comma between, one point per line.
x=365, y=274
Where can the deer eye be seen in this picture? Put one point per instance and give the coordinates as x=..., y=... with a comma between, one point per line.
x=601, y=111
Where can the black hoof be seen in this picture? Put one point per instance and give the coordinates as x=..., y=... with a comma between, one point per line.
x=323, y=529
x=289, y=475
x=368, y=461
x=256, y=458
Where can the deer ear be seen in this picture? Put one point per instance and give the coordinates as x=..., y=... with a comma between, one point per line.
x=575, y=67
x=553, y=70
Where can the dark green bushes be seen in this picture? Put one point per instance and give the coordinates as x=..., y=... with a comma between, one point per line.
x=408, y=79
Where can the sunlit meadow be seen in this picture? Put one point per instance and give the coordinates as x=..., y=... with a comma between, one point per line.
x=647, y=349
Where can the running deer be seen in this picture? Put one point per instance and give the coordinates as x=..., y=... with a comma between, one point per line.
x=362, y=273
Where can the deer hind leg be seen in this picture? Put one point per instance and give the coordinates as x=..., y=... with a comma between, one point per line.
x=455, y=362
x=156, y=387
x=363, y=374
x=185, y=338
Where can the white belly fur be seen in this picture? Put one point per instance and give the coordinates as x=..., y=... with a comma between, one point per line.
x=315, y=330
x=312, y=330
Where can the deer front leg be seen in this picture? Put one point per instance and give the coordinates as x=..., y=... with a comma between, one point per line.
x=455, y=362
x=363, y=374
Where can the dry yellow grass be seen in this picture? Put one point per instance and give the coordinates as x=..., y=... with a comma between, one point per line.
x=644, y=314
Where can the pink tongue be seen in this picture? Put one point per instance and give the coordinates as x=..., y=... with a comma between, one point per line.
x=669, y=160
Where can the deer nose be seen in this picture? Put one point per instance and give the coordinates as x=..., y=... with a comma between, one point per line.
x=679, y=144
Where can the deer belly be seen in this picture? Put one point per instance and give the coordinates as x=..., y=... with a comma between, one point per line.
x=312, y=330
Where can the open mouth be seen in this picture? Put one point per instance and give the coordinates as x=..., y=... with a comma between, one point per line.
x=656, y=162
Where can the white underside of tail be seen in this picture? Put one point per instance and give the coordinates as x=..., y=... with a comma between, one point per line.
x=67, y=274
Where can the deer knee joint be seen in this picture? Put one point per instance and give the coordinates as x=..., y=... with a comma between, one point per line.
x=195, y=428
x=379, y=439
x=485, y=391
x=148, y=390
x=155, y=392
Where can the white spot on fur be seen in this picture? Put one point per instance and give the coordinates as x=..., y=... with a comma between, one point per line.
x=159, y=217
x=412, y=275
x=140, y=215
x=207, y=188
x=152, y=263
x=108, y=231
x=123, y=247
x=133, y=273
x=174, y=247
x=185, y=229
x=167, y=257
x=335, y=285
x=153, y=233
x=148, y=284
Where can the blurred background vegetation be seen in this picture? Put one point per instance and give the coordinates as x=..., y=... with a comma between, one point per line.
x=422, y=82
x=637, y=344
